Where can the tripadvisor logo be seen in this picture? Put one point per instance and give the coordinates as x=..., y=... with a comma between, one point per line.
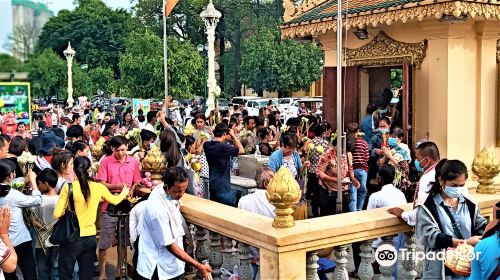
x=387, y=255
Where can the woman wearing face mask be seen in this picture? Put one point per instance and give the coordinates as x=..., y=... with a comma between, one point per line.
x=397, y=154
x=447, y=218
x=380, y=138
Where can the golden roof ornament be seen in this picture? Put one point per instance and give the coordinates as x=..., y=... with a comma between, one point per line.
x=155, y=163
x=283, y=192
x=486, y=167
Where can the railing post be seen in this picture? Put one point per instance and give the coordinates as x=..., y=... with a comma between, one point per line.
x=408, y=267
x=312, y=266
x=387, y=271
x=215, y=258
x=245, y=270
x=227, y=254
x=202, y=250
x=340, y=272
x=365, y=270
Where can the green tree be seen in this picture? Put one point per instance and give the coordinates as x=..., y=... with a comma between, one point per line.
x=141, y=67
x=9, y=63
x=184, y=22
x=48, y=74
x=101, y=78
x=96, y=32
x=274, y=65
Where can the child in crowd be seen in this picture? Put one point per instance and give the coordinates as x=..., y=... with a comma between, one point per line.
x=46, y=259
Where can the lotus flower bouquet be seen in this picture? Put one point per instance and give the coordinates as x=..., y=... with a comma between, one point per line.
x=147, y=182
x=26, y=161
x=135, y=136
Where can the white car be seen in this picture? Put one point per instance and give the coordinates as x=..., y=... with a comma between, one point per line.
x=312, y=105
x=284, y=105
x=254, y=105
x=243, y=100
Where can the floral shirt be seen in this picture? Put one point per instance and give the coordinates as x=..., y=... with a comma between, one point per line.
x=327, y=165
x=314, y=154
x=290, y=165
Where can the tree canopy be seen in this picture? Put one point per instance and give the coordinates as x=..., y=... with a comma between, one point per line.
x=274, y=65
x=141, y=67
x=48, y=74
x=9, y=63
x=96, y=32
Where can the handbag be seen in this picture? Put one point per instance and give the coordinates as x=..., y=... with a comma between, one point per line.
x=66, y=230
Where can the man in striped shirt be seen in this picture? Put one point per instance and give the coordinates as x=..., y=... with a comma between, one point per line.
x=360, y=155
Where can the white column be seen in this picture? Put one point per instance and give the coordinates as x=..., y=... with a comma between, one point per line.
x=211, y=17
x=69, y=53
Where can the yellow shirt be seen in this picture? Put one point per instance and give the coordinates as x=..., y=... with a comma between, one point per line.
x=86, y=211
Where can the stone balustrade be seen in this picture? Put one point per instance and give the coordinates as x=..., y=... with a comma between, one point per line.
x=292, y=253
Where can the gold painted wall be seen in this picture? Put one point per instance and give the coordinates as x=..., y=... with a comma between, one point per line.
x=454, y=92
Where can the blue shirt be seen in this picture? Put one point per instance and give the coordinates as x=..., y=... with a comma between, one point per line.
x=486, y=262
x=16, y=201
x=461, y=216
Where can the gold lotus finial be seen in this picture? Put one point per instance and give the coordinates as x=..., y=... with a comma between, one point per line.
x=155, y=163
x=486, y=167
x=283, y=192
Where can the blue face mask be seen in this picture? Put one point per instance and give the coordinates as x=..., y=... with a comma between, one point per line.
x=168, y=197
x=453, y=192
x=418, y=167
x=383, y=130
x=383, y=111
x=392, y=142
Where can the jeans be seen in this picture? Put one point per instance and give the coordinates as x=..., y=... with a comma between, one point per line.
x=25, y=262
x=362, y=176
x=353, y=205
x=227, y=198
x=46, y=263
x=83, y=251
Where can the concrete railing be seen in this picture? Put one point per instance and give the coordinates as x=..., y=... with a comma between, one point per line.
x=291, y=253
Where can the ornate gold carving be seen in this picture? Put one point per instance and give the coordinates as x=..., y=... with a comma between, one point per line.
x=289, y=10
x=283, y=192
x=437, y=10
x=155, y=163
x=498, y=51
x=486, y=167
x=383, y=50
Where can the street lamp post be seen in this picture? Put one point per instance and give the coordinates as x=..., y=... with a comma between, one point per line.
x=211, y=17
x=69, y=53
x=202, y=49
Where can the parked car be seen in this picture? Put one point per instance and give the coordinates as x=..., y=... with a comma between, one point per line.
x=223, y=104
x=254, y=105
x=243, y=100
x=312, y=104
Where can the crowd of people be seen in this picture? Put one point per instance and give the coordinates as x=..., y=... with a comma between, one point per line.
x=69, y=174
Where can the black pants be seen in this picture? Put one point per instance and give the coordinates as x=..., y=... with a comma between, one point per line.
x=313, y=193
x=155, y=276
x=82, y=251
x=328, y=202
x=25, y=262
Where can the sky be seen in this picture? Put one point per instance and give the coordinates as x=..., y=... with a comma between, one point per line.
x=54, y=5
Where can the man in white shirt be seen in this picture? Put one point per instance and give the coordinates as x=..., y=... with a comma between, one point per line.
x=162, y=227
x=387, y=196
x=152, y=119
x=427, y=156
x=258, y=203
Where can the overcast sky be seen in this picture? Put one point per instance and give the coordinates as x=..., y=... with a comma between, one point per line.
x=54, y=5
